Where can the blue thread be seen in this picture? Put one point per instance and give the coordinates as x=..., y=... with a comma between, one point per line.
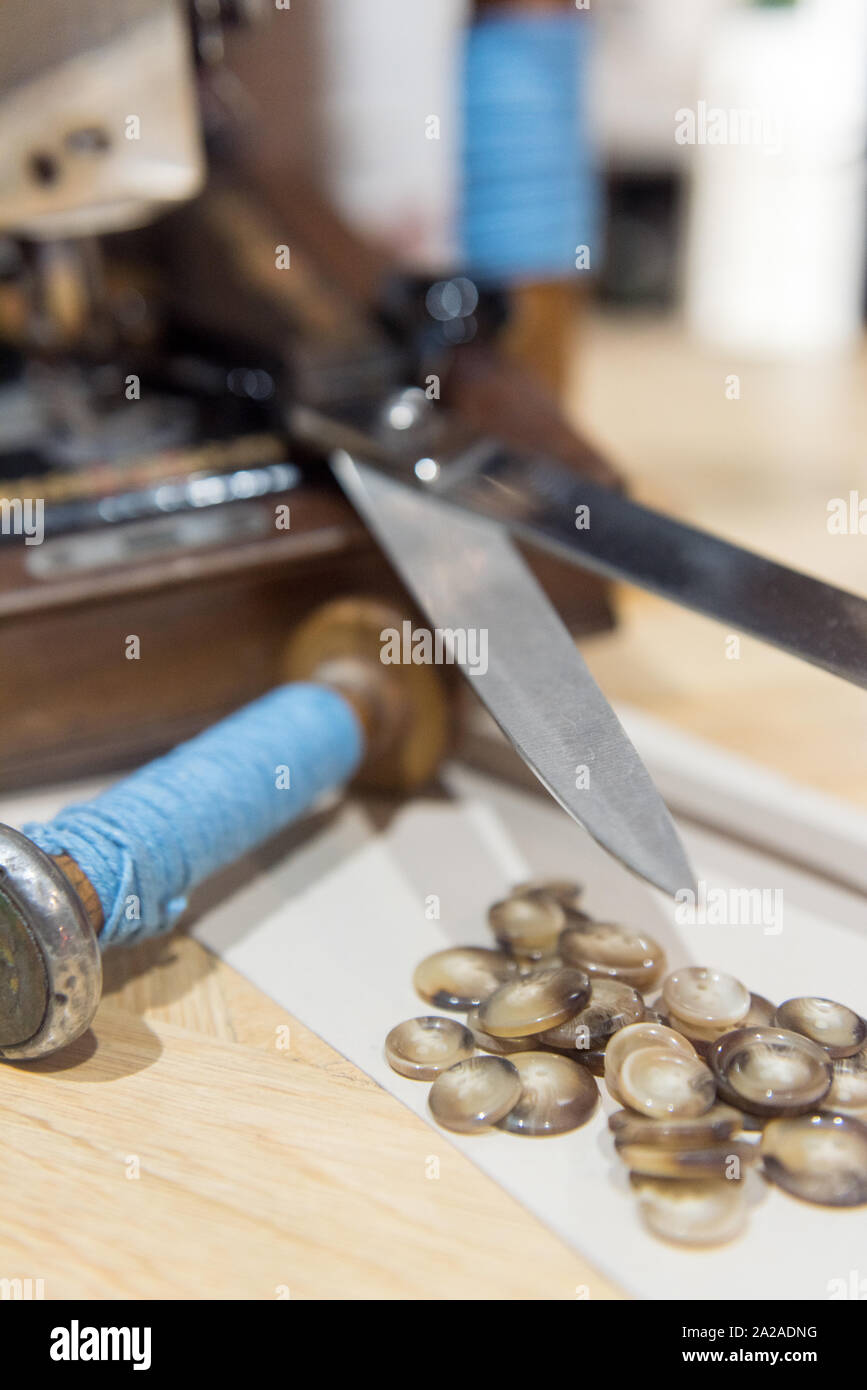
x=529, y=194
x=159, y=832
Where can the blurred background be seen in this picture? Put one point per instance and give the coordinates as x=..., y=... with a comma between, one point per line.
x=713, y=343
x=670, y=194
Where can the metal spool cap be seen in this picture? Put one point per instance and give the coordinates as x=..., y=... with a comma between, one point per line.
x=50, y=962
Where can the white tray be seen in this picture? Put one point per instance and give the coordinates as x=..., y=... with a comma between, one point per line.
x=334, y=929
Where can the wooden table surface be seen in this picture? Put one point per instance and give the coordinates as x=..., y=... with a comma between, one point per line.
x=200, y=1143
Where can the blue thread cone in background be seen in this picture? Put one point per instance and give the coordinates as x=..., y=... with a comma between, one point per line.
x=530, y=195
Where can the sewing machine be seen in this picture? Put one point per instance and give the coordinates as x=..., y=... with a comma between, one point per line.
x=149, y=348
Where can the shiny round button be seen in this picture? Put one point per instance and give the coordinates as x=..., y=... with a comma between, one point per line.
x=612, y=1006
x=475, y=1094
x=659, y=1081
x=557, y=1095
x=729, y=1160
x=677, y=1131
x=534, y=1002
x=833, y=1026
x=608, y=951
x=702, y=1036
x=770, y=1071
x=760, y=1012
x=590, y=1057
x=819, y=1158
x=692, y=1211
x=703, y=996
x=421, y=1048
x=462, y=976
x=528, y=925
x=502, y=1047
x=699, y=1036
x=633, y=1037
x=564, y=891
x=848, y=1093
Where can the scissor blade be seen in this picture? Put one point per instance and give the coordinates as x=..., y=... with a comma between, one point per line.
x=621, y=539
x=599, y=529
x=519, y=658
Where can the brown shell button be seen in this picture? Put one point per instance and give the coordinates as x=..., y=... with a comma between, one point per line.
x=563, y=890
x=529, y=965
x=534, y=1002
x=833, y=1026
x=475, y=1094
x=608, y=951
x=557, y=1095
x=501, y=1046
x=819, y=1158
x=713, y=1161
x=699, y=1038
x=634, y=1036
x=705, y=997
x=848, y=1093
x=716, y=1125
x=423, y=1047
x=692, y=1211
x=592, y=1058
x=612, y=1006
x=760, y=1012
x=770, y=1071
x=528, y=926
x=659, y=1081
x=461, y=976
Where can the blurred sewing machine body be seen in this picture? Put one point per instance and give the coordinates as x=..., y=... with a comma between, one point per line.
x=149, y=341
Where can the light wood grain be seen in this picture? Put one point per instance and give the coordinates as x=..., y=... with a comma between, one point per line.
x=760, y=470
x=260, y=1175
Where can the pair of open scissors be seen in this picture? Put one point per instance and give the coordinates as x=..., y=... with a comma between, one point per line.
x=445, y=504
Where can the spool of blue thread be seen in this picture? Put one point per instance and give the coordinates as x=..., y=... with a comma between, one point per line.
x=149, y=840
x=119, y=868
x=529, y=194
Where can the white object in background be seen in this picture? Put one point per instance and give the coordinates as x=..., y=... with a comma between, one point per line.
x=643, y=66
x=777, y=212
x=389, y=109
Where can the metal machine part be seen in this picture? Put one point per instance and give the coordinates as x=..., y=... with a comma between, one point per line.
x=50, y=965
x=100, y=115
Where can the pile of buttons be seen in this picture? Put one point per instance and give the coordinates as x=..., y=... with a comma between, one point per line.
x=713, y=1081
